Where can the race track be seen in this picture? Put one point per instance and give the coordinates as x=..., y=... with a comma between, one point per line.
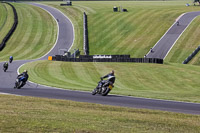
x=65, y=41
x=165, y=44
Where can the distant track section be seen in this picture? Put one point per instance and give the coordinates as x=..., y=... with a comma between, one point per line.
x=65, y=31
x=167, y=41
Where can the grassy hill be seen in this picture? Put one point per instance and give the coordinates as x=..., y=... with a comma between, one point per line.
x=6, y=19
x=28, y=114
x=34, y=36
x=133, y=32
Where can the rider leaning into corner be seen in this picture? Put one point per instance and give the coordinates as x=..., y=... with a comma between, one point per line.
x=5, y=65
x=110, y=78
x=10, y=59
x=25, y=75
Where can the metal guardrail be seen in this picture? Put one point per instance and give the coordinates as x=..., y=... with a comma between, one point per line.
x=85, y=35
x=192, y=55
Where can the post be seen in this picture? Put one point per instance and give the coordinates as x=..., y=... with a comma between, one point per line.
x=74, y=53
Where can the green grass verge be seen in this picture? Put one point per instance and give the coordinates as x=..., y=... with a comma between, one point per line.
x=28, y=114
x=6, y=19
x=34, y=36
x=133, y=32
x=169, y=81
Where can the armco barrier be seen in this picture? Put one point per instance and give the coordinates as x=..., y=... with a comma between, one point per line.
x=6, y=38
x=191, y=56
x=115, y=58
x=85, y=35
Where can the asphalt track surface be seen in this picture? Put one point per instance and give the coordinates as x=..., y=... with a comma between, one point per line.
x=65, y=41
x=164, y=45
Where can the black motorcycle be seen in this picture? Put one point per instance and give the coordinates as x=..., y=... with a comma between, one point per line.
x=103, y=88
x=10, y=60
x=20, y=82
x=5, y=69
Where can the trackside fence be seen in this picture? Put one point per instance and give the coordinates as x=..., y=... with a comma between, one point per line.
x=85, y=35
x=107, y=58
x=6, y=38
x=192, y=55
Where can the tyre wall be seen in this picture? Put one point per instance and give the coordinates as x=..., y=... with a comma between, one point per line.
x=6, y=38
x=107, y=58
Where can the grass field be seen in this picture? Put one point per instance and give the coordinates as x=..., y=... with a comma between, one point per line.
x=133, y=32
x=27, y=114
x=6, y=19
x=35, y=34
x=171, y=81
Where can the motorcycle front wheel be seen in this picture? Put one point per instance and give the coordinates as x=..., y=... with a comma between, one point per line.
x=94, y=92
x=19, y=85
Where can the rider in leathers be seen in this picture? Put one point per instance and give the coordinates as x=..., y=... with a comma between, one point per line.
x=5, y=65
x=25, y=75
x=11, y=59
x=110, y=79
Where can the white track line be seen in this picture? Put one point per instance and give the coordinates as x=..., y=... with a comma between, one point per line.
x=166, y=32
x=66, y=17
x=178, y=38
x=9, y=94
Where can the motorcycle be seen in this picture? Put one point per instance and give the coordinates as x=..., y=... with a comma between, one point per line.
x=10, y=60
x=20, y=82
x=103, y=88
x=5, y=69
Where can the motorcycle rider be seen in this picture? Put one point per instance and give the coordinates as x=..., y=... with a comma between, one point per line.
x=110, y=78
x=105, y=86
x=5, y=66
x=25, y=75
x=177, y=23
x=11, y=59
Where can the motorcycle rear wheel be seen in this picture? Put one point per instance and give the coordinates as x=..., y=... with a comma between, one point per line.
x=105, y=93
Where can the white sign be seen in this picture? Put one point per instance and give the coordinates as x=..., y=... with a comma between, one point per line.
x=102, y=57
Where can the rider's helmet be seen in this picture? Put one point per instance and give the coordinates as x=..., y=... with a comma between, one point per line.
x=113, y=72
x=25, y=71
